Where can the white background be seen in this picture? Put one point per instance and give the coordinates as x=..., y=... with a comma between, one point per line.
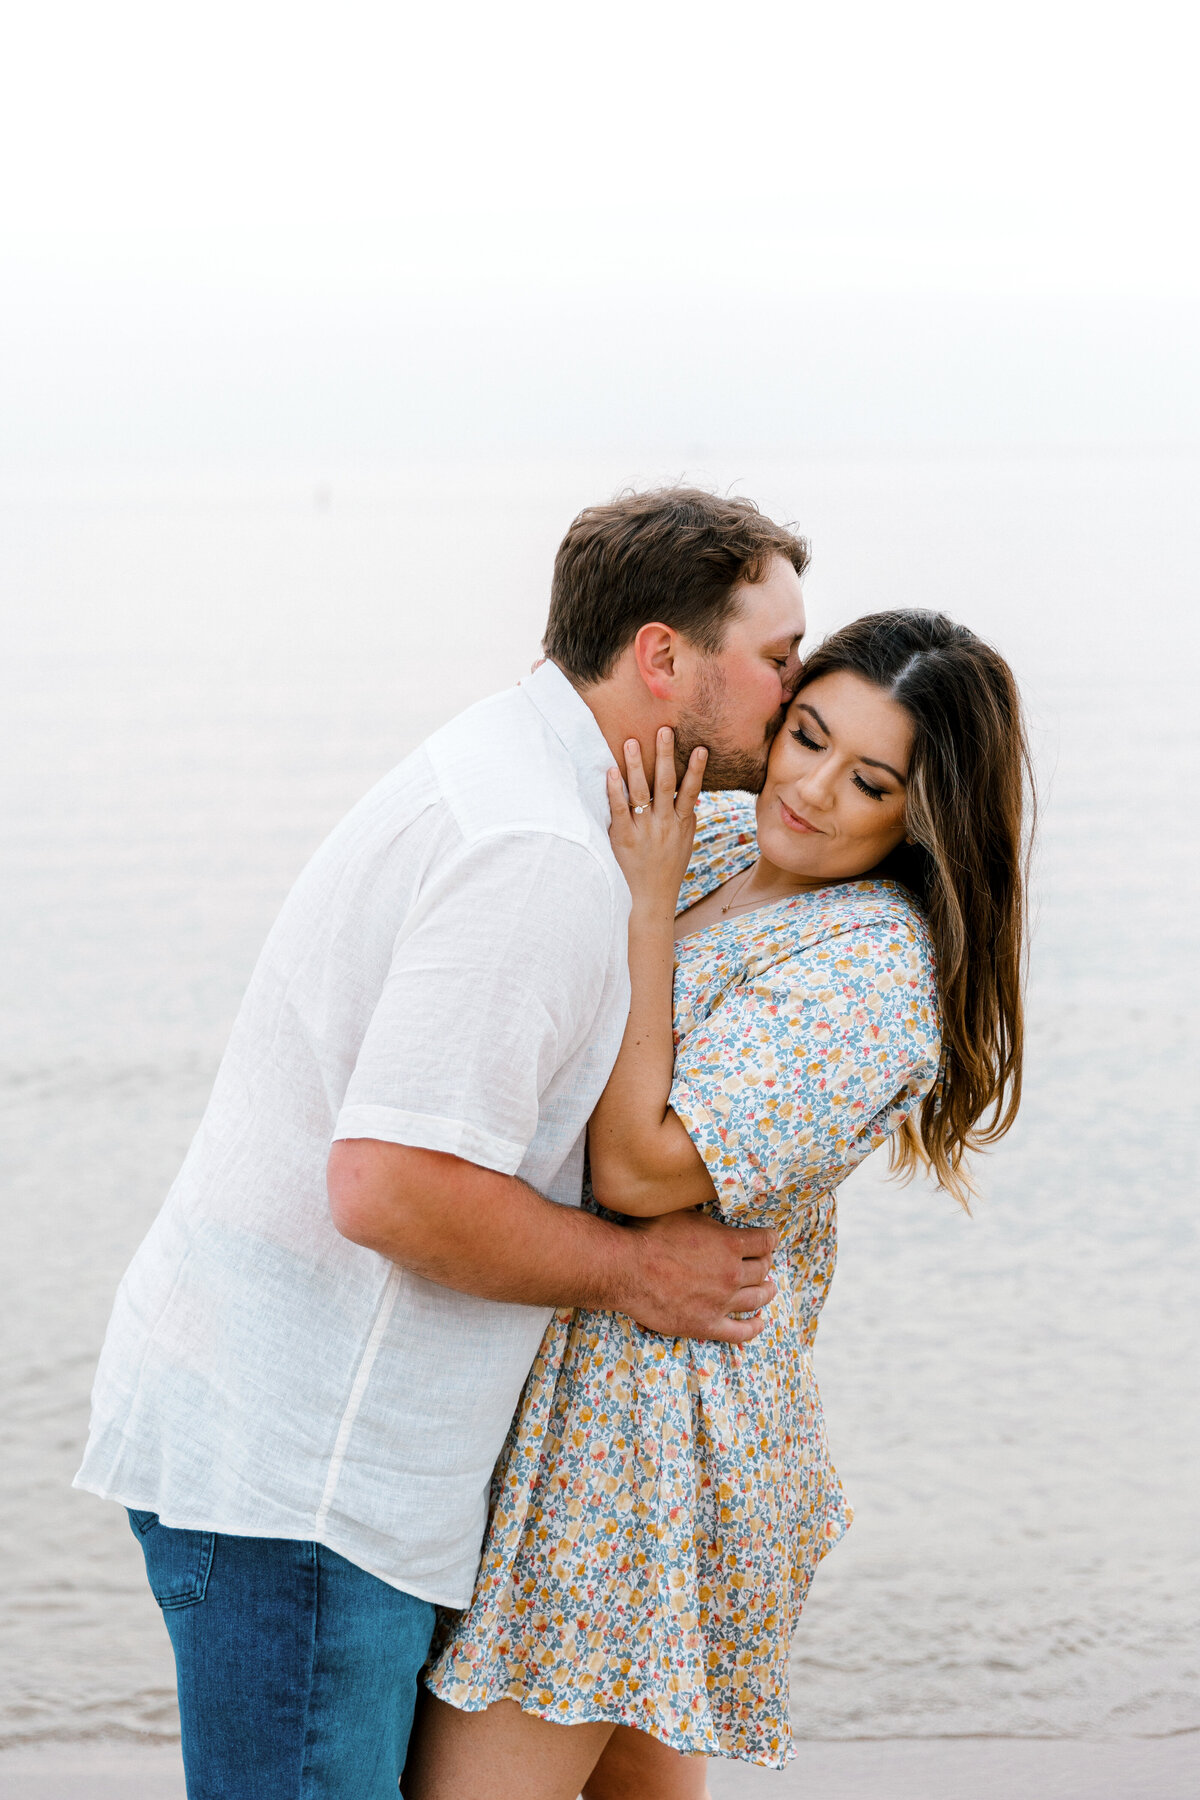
x=258, y=235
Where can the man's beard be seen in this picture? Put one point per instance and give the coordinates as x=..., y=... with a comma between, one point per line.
x=729, y=765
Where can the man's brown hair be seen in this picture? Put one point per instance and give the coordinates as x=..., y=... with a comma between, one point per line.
x=673, y=556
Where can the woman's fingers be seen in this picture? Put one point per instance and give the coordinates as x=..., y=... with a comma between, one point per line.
x=635, y=774
x=664, y=769
x=618, y=806
x=693, y=781
x=664, y=794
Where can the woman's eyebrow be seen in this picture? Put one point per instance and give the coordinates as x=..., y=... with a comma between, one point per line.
x=871, y=761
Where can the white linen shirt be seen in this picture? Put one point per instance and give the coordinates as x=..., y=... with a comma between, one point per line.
x=448, y=972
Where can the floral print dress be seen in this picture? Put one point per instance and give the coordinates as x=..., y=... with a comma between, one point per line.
x=660, y=1506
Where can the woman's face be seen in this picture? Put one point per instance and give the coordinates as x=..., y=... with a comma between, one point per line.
x=833, y=803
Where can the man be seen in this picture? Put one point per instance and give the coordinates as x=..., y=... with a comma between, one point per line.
x=316, y=1352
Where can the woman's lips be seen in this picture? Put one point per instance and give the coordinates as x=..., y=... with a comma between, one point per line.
x=793, y=820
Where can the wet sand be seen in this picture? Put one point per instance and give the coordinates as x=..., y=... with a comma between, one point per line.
x=975, y=1769
x=96, y=1770
x=893, y=1769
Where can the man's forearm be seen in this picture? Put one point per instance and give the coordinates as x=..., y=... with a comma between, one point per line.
x=476, y=1230
x=480, y=1232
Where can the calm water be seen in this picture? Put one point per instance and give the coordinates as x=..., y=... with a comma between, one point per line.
x=197, y=683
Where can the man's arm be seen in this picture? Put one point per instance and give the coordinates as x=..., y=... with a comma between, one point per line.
x=481, y=1232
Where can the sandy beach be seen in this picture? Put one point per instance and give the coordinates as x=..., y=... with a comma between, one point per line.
x=896, y=1769
x=975, y=1769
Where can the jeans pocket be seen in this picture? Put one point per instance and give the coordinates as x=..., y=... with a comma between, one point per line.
x=177, y=1562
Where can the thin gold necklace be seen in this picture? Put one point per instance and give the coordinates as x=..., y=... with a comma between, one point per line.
x=744, y=882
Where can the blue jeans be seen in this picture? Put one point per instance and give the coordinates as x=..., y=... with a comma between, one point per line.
x=297, y=1671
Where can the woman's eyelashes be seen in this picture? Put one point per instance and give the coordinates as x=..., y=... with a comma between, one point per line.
x=875, y=793
x=802, y=737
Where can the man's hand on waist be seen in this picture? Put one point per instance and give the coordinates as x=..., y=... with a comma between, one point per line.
x=481, y=1232
x=694, y=1274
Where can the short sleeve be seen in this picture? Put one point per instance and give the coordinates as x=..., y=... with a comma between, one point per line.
x=808, y=1067
x=495, y=981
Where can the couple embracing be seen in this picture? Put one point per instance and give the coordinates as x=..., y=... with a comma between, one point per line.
x=683, y=928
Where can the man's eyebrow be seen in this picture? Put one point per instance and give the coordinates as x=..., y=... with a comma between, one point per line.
x=871, y=761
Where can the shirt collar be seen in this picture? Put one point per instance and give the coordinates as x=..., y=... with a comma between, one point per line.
x=574, y=724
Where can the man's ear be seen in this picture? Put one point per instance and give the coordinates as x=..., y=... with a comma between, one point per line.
x=654, y=651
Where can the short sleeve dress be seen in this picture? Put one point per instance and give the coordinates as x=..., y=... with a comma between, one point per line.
x=660, y=1506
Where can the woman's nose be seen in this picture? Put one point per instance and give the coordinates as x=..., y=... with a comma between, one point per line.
x=816, y=792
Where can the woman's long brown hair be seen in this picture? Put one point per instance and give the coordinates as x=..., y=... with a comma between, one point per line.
x=970, y=808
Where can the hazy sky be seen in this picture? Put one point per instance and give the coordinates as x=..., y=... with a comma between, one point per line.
x=327, y=233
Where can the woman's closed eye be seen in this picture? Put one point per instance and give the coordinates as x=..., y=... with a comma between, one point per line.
x=874, y=792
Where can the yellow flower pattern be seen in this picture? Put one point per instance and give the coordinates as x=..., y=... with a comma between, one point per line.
x=661, y=1505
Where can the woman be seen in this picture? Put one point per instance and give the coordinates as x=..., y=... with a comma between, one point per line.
x=846, y=968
